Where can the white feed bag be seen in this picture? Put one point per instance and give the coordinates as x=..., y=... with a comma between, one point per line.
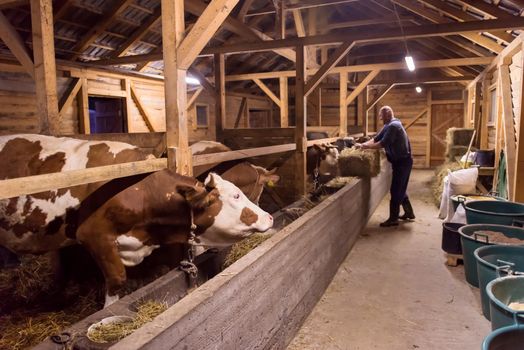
x=444, y=198
x=460, y=182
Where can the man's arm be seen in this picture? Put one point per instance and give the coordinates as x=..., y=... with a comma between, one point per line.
x=371, y=144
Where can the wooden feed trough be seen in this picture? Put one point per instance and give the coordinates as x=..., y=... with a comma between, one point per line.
x=261, y=300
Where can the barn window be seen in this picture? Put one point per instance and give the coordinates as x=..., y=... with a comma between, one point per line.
x=202, y=116
x=492, y=106
x=107, y=115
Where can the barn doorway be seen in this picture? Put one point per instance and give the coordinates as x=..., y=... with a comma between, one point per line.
x=107, y=115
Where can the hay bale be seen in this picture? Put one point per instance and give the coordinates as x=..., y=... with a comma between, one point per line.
x=360, y=163
x=452, y=152
x=243, y=247
x=459, y=136
x=440, y=173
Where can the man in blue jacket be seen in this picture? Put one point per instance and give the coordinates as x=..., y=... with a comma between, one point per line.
x=394, y=139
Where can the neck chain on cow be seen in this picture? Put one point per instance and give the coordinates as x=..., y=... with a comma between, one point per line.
x=187, y=265
x=316, y=174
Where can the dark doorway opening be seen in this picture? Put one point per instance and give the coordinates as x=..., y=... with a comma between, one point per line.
x=107, y=115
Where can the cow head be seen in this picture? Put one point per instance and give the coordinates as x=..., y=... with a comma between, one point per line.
x=226, y=213
x=251, y=179
x=327, y=158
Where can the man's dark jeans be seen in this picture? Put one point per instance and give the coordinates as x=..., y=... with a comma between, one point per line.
x=399, y=185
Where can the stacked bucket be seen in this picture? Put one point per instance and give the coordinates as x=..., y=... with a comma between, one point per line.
x=496, y=268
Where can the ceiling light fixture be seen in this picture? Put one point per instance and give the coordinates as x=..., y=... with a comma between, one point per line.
x=192, y=81
x=409, y=59
x=418, y=89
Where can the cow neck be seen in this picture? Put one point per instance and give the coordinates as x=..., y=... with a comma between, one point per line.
x=255, y=183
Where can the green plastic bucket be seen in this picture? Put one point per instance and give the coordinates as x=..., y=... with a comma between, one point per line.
x=494, y=212
x=471, y=241
x=496, y=261
x=505, y=338
x=502, y=292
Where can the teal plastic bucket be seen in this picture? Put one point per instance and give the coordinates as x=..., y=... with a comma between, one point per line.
x=470, y=241
x=457, y=199
x=502, y=292
x=494, y=212
x=505, y=338
x=496, y=261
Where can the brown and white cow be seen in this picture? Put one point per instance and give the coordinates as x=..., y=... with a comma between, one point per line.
x=322, y=162
x=250, y=178
x=122, y=221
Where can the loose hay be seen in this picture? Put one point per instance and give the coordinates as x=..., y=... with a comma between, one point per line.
x=440, y=173
x=113, y=332
x=243, y=247
x=340, y=181
x=360, y=163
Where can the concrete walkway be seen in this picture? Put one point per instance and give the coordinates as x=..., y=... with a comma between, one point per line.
x=394, y=290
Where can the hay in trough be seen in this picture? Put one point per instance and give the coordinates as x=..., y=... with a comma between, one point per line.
x=115, y=331
x=340, y=181
x=243, y=247
x=440, y=173
x=360, y=163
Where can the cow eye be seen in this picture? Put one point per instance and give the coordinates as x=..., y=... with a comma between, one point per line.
x=236, y=196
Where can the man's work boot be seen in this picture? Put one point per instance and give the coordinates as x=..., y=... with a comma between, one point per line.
x=408, y=210
x=389, y=222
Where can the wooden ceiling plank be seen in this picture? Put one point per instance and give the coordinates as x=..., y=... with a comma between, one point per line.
x=244, y=9
x=488, y=10
x=99, y=27
x=205, y=27
x=417, y=9
x=16, y=45
x=138, y=33
x=301, y=32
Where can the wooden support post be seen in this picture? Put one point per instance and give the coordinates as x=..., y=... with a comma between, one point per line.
x=484, y=115
x=84, y=126
x=241, y=112
x=284, y=103
x=467, y=107
x=220, y=100
x=428, y=129
x=45, y=66
x=509, y=129
x=126, y=84
x=343, y=107
x=518, y=188
x=366, y=114
x=476, y=112
x=361, y=108
x=300, y=118
x=177, y=138
x=280, y=23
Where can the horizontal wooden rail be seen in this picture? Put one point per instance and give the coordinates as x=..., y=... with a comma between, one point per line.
x=46, y=182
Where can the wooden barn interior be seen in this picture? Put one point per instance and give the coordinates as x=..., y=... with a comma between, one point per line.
x=260, y=77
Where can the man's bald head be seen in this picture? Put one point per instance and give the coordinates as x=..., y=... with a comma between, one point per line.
x=386, y=114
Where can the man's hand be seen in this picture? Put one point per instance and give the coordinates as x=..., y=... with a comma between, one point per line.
x=359, y=146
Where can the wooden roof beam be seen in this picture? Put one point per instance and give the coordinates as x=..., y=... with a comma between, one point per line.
x=488, y=10
x=363, y=84
x=417, y=9
x=298, y=5
x=16, y=45
x=301, y=32
x=99, y=28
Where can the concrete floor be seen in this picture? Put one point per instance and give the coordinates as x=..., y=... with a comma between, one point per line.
x=394, y=290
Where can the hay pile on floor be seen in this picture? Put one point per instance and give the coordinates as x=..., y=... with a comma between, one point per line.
x=24, y=329
x=243, y=247
x=457, y=142
x=113, y=332
x=440, y=173
x=360, y=163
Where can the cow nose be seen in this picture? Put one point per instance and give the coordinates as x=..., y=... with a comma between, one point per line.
x=270, y=217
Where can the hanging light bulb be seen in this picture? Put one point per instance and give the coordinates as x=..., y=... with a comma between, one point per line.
x=410, y=63
x=192, y=81
x=418, y=89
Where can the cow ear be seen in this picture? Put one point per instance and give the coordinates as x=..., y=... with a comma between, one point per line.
x=196, y=196
x=212, y=180
x=272, y=171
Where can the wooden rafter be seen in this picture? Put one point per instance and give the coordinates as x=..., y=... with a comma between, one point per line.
x=138, y=33
x=244, y=9
x=332, y=61
x=267, y=91
x=488, y=10
x=193, y=97
x=299, y=4
x=462, y=16
x=379, y=96
x=363, y=84
x=205, y=27
x=16, y=45
x=100, y=27
x=436, y=18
